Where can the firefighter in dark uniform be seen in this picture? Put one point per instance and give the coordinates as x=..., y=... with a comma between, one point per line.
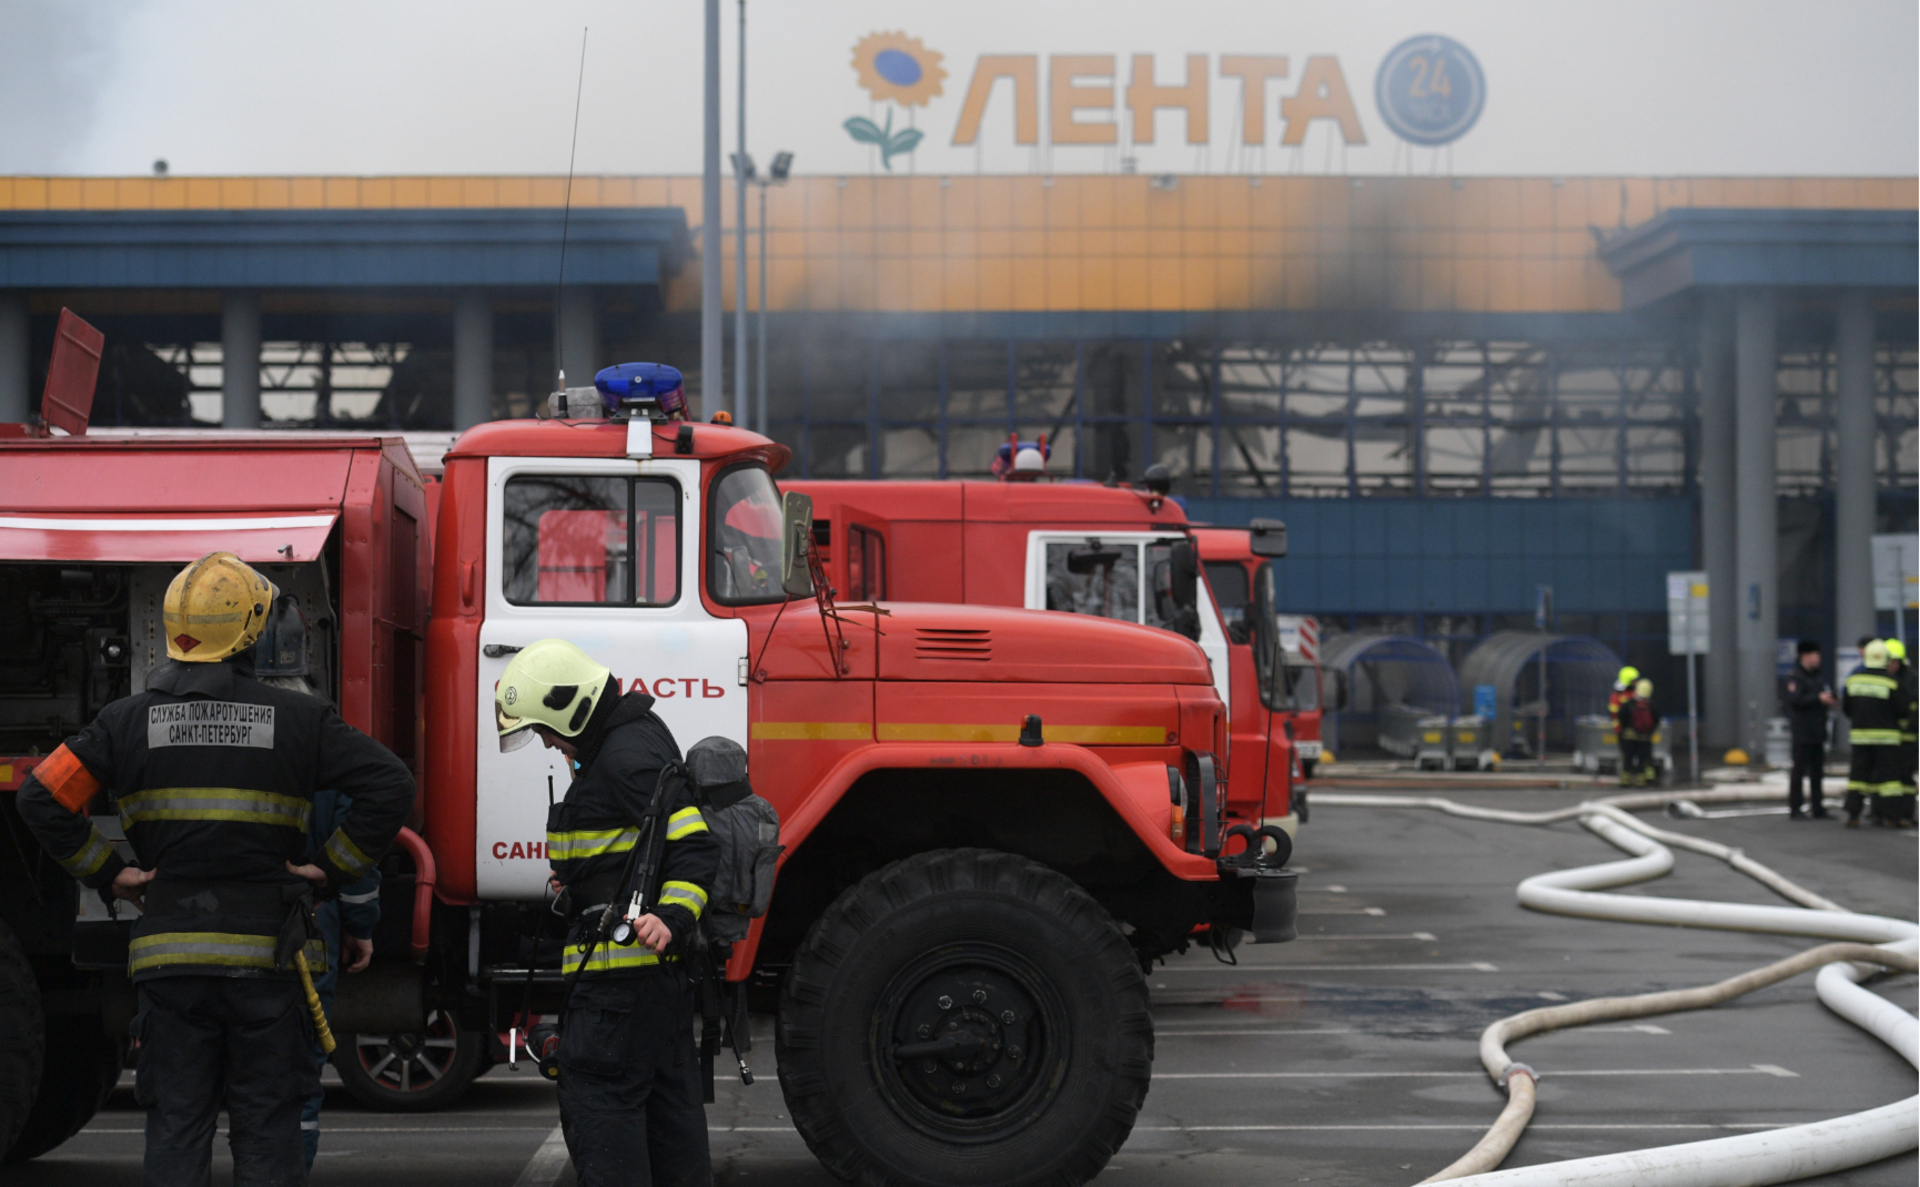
x=214, y=774
x=1901, y=670
x=1635, y=721
x=1808, y=701
x=1875, y=704
x=630, y=1088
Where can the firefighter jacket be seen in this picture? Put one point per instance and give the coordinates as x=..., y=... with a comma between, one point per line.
x=214, y=775
x=1804, y=708
x=358, y=900
x=1635, y=720
x=591, y=835
x=1876, y=704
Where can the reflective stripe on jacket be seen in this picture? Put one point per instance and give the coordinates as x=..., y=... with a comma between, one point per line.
x=591, y=834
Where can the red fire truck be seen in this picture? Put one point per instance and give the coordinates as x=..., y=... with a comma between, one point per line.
x=1078, y=547
x=993, y=819
x=1240, y=572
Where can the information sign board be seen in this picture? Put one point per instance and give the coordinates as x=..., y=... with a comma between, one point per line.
x=1688, y=630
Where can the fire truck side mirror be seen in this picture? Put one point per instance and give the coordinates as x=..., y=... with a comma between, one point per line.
x=1185, y=564
x=796, y=537
x=1269, y=537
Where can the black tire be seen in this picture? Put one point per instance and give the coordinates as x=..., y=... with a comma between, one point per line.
x=951, y=945
x=72, y=1087
x=23, y=1038
x=410, y=1073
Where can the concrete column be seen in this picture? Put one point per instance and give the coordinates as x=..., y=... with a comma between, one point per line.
x=16, y=369
x=1720, y=681
x=1853, y=470
x=240, y=361
x=1756, y=513
x=577, y=338
x=472, y=360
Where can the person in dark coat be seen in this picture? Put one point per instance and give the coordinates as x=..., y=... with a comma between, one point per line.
x=1809, y=700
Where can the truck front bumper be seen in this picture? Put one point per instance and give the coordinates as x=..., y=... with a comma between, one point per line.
x=1258, y=899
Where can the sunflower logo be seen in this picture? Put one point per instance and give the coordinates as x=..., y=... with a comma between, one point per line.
x=894, y=68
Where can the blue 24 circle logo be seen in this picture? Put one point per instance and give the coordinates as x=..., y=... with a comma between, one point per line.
x=1430, y=90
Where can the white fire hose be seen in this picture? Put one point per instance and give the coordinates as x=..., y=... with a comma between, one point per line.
x=1774, y=1156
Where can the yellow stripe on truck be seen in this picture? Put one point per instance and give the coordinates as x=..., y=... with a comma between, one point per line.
x=940, y=731
x=1079, y=735
x=811, y=731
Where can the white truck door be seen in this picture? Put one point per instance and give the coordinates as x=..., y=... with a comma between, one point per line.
x=1107, y=573
x=602, y=552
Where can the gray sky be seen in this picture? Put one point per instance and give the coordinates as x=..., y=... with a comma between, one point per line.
x=487, y=86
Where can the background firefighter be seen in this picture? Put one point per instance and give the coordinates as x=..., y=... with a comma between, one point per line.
x=214, y=774
x=1876, y=703
x=1635, y=721
x=630, y=1090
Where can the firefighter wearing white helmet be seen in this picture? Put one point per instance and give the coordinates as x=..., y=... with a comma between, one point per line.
x=215, y=773
x=550, y=685
x=628, y=1034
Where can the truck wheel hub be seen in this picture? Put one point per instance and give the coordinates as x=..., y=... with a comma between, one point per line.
x=967, y=1035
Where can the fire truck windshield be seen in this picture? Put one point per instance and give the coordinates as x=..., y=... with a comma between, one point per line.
x=743, y=538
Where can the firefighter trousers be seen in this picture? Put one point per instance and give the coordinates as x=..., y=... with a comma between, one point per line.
x=630, y=1095
x=1809, y=765
x=238, y=1043
x=1636, y=762
x=326, y=917
x=1874, y=778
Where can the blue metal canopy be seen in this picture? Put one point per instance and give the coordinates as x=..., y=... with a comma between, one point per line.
x=175, y=249
x=1686, y=248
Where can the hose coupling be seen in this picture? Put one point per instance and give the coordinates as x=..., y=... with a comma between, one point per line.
x=1517, y=1069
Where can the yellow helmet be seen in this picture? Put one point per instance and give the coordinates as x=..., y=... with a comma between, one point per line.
x=1643, y=689
x=215, y=608
x=550, y=683
x=1896, y=650
x=1874, y=655
x=1627, y=676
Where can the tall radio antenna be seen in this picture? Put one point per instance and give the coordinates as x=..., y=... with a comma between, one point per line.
x=566, y=215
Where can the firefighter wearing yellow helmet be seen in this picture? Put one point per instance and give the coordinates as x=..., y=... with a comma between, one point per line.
x=215, y=608
x=629, y=1021
x=1901, y=670
x=1622, y=688
x=215, y=772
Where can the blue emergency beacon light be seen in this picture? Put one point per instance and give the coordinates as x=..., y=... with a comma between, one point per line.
x=651, y=390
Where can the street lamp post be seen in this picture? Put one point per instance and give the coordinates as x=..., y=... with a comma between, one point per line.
x=744, y=170
x=776, y=175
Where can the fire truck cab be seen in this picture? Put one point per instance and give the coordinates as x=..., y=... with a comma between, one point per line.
x=1076, y=547
x=1239, y=564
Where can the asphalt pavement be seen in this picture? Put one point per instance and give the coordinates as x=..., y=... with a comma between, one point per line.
x=1345, y=1057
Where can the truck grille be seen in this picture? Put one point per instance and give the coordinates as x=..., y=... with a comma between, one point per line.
x=955, y=643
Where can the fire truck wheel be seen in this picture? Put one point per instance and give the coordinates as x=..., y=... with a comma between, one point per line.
x=72, y=1087
x=964, y=1018
x=410, y=1073
x=23, y=1038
